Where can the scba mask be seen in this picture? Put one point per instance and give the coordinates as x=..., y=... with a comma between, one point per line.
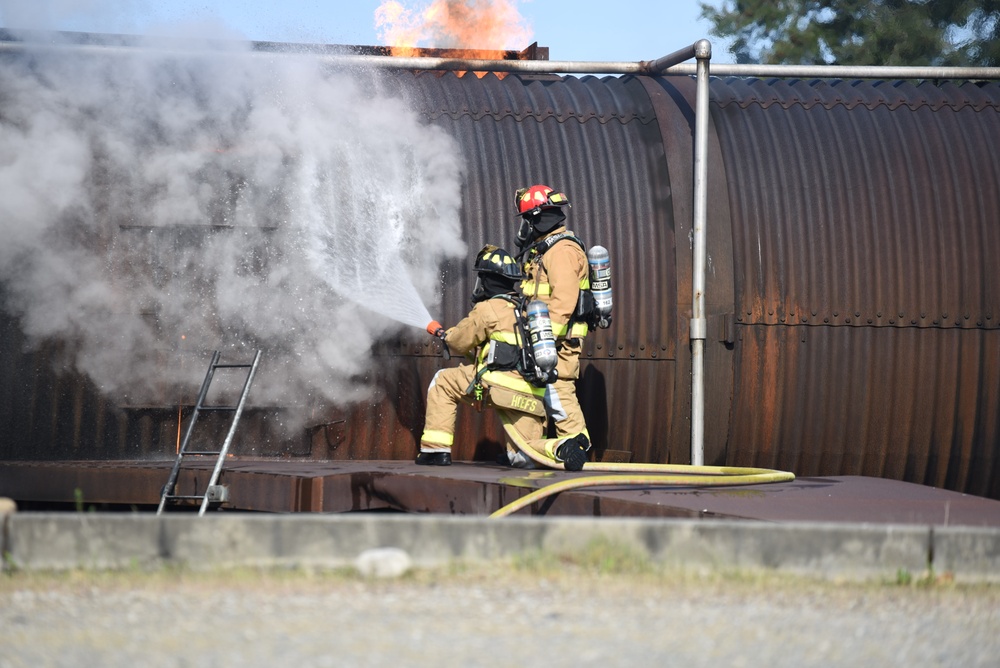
x=479, y=291
x=526, y=232
x=489, y=286
x=534, y=226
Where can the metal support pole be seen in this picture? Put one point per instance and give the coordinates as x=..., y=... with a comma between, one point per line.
x=703, y=54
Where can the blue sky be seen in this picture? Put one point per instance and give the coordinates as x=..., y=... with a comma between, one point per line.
x=615, y=30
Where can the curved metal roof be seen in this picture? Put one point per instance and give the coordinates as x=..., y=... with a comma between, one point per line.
x=852, y=300
x=594, y=139
x=860, y=203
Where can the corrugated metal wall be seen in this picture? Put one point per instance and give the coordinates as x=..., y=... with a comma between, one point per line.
x=597, y=140
x=853, y=306
x=513, y=132
x=866, y=230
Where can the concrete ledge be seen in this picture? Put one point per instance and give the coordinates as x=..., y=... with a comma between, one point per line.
x=969, y=553
x=56, y=541
x=850, y=551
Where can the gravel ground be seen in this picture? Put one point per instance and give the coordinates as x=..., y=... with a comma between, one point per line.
x=501, y=616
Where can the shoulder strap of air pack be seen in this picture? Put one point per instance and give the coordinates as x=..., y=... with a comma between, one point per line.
x=548, y=242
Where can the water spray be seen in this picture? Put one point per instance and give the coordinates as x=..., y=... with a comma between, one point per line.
x=241, y=203
x=366, y=282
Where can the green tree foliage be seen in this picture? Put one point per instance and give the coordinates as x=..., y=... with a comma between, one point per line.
x=860, y=32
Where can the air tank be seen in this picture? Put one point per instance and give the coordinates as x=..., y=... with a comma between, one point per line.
x=600, y=284
x=543, y=343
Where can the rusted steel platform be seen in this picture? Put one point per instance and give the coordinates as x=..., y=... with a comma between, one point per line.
x=479, y=489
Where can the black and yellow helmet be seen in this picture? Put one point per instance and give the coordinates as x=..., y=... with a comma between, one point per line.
x=496, y=273
x=495, y=260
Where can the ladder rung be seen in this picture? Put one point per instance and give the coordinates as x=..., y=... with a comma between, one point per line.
x=217, y=408
x=232, y=366
x=217, y=493
x=201, y=452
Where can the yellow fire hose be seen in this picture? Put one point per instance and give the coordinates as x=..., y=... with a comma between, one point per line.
x=663, y=474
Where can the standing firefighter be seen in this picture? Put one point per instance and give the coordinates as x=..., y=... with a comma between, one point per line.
x=556, y=272
x=491, y=335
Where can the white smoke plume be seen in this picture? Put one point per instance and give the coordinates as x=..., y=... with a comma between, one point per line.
x=156, y=205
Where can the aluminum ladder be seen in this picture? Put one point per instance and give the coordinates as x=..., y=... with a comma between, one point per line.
x=214, y=493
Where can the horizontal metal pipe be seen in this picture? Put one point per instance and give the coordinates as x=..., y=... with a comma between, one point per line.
x=477, y=65
x=569, y=66
x=675, y=58
x=351, y=60
x=653, y=67
x=849, y=71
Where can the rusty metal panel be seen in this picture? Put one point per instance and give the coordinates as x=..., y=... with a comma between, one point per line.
x=877, y=207
x=912, y=404
x=595, y=139
x=48, y=414
x=864, y=221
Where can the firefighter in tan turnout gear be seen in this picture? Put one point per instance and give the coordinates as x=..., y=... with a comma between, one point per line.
x=491, y=337
x=556, y=272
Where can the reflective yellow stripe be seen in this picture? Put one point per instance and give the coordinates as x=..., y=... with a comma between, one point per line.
x=438, y=437
x=577, y=330
x=501, y=379
x=528, y=288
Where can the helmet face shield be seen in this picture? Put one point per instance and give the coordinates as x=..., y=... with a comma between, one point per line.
x=478, y=292
x=525, y=232
x=489, y=285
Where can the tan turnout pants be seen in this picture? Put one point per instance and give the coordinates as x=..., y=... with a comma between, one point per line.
x=560, y=397
x=449, y=387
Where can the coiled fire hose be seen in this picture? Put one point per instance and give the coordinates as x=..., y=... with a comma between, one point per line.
x=640, y=475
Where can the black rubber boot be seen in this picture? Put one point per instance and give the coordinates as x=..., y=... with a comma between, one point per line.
x=573, y=453
x=434, y=459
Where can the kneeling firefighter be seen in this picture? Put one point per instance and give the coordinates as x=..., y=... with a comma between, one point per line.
x=494, y=338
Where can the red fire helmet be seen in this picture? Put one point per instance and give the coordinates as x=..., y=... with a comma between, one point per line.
x=534, y=199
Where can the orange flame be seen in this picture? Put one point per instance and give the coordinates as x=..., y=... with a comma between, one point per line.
x=479, y=27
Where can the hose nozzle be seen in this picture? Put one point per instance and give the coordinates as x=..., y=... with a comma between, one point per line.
x=434, y=328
